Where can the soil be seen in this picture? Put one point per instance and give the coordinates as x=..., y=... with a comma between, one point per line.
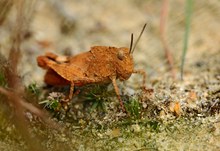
x=176, y=115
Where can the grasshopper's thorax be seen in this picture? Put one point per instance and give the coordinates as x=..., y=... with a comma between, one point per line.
x=124, y=63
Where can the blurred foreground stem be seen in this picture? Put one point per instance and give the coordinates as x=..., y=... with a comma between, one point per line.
x=168, y=55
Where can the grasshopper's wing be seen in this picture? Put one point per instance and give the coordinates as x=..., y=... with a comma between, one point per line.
x=69, y=72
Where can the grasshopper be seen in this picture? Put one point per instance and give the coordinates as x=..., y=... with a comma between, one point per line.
x=102, y=64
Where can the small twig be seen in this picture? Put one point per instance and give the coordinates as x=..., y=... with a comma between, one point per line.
x=168, y=55
x=216, y=101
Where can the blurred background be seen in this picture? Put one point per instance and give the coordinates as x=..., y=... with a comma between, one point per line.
x=69, y=27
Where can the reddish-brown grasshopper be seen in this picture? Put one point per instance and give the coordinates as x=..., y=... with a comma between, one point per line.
x=101, y=64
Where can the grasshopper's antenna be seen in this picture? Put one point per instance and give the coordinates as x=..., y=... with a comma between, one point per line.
x=135, y=44
x=131, y=44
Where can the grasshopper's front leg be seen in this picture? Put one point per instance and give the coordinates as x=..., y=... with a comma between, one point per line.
x=143, y=73
x=143, y=87
x=117, y=93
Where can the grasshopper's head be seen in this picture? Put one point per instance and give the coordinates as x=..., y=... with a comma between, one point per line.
x=124, y=63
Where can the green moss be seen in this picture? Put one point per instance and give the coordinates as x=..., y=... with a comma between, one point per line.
x=133, y=107
x=50, y=104
x=97, y=95
x=33, y=89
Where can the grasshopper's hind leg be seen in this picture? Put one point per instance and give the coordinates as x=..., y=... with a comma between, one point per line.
x=71, y=91
x=69, y=97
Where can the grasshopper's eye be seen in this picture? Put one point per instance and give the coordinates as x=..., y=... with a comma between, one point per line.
x=121, y=55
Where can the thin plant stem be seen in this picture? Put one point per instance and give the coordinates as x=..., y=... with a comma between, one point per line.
x=188, y=13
